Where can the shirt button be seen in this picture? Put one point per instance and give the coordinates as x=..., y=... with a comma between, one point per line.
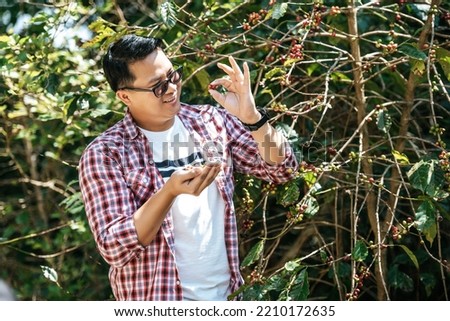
x=178, y=282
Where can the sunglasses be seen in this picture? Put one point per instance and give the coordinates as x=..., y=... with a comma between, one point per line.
x=160, y=89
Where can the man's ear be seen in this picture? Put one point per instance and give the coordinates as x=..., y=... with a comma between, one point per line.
x=123, y=96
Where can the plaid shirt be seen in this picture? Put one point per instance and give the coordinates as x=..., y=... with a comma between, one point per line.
x=117, y=175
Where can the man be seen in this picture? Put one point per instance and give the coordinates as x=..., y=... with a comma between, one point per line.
x=158, y=185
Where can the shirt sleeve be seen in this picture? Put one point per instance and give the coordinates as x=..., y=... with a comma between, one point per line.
x=109, y=206
x=247, y=159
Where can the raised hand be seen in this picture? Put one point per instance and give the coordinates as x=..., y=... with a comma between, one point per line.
x=238, y=98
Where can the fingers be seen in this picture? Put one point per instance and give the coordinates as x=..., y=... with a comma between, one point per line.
x=187, y=174
x=225, y=82
x=219, y=94
x=237, y=71
x=199, y=183
x=193, y=180
x=227, y=69
x=220, y=98
x=246, y=76
x=234, y=71
x=237, y=78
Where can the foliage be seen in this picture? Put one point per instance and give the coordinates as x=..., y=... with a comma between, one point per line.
x=361, y=89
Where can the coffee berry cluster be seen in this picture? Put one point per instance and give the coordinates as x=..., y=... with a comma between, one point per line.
x=363, y=274
x=402, y=228
x=444, y=163
x=390, y=48
x=296, y=214
x=436, y=130
x=247, y=204
x=278, y=107
x=307, y=167
x=269, y=188
x=335, y=10
x=296, y=51
x=254, y=18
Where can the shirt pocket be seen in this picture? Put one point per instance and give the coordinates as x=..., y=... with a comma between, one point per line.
x=140, y=183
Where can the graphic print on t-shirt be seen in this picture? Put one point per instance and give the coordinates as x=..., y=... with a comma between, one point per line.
x=167, y=167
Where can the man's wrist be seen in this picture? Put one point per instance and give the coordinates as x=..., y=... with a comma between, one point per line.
x=257, y=125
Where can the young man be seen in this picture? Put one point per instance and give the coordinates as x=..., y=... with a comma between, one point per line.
x=158, y=185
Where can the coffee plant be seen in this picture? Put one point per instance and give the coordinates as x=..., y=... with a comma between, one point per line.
x=360, y=89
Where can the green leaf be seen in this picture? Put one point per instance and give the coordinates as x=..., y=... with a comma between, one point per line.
x=79, y=226
x=313, y=207
x=443, y=58
x=340, y=77
x=289, y=194
x=400, y=157
x=412, y=52
x=429, y=282
x=343, y=270
x=70, y=106
x=311, y=68
x=279, y=10
x=300, y=290
x=99, y=112
x=254, y=254
x=323, y=255
x=49, y=273
x=427, y=177
x=267, y=91
x=360, y=251
x=273, y=72
x=52, y=83
x=73, y=204
x=4, y=40
x=418, y=67
x=426, y=220
x=310, y=178
x=289, y=62
x=276, y=283
x=103, y=33
x=400, y=280
x=411, y=255
x=291, y=266
x=168, y=14
x=384, y=121
x=40, y=18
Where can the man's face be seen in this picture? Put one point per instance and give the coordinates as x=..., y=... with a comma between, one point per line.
x=149, y=111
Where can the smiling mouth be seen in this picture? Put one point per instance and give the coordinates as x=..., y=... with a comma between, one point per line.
x=170, y=100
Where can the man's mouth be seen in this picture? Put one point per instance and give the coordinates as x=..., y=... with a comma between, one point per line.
x=170, y=100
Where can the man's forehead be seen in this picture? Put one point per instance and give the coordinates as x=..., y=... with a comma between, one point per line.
x=153, y=67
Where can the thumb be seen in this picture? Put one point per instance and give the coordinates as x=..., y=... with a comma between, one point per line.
x=220, y=98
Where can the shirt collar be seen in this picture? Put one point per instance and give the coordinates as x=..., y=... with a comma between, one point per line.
x=130, y=128
x=195, y=111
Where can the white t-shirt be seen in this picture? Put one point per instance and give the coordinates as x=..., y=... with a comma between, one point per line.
x=200, y=251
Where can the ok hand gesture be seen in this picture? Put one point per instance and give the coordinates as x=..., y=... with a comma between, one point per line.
x=238, y=99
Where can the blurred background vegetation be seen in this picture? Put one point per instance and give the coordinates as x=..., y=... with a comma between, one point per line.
x=361, y=88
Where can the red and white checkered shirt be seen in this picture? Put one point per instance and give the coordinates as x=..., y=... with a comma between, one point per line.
x=117, y=175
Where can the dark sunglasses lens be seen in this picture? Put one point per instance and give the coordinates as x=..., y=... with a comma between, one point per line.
x=161, y=89
x=176, y=76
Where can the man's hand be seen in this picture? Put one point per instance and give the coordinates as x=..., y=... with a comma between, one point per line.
x=238, y=99
x=192, y=180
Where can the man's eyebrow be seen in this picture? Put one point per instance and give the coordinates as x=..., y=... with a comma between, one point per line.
x=157, y=80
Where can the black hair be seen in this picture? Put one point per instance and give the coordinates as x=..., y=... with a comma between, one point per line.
x=121, y=53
